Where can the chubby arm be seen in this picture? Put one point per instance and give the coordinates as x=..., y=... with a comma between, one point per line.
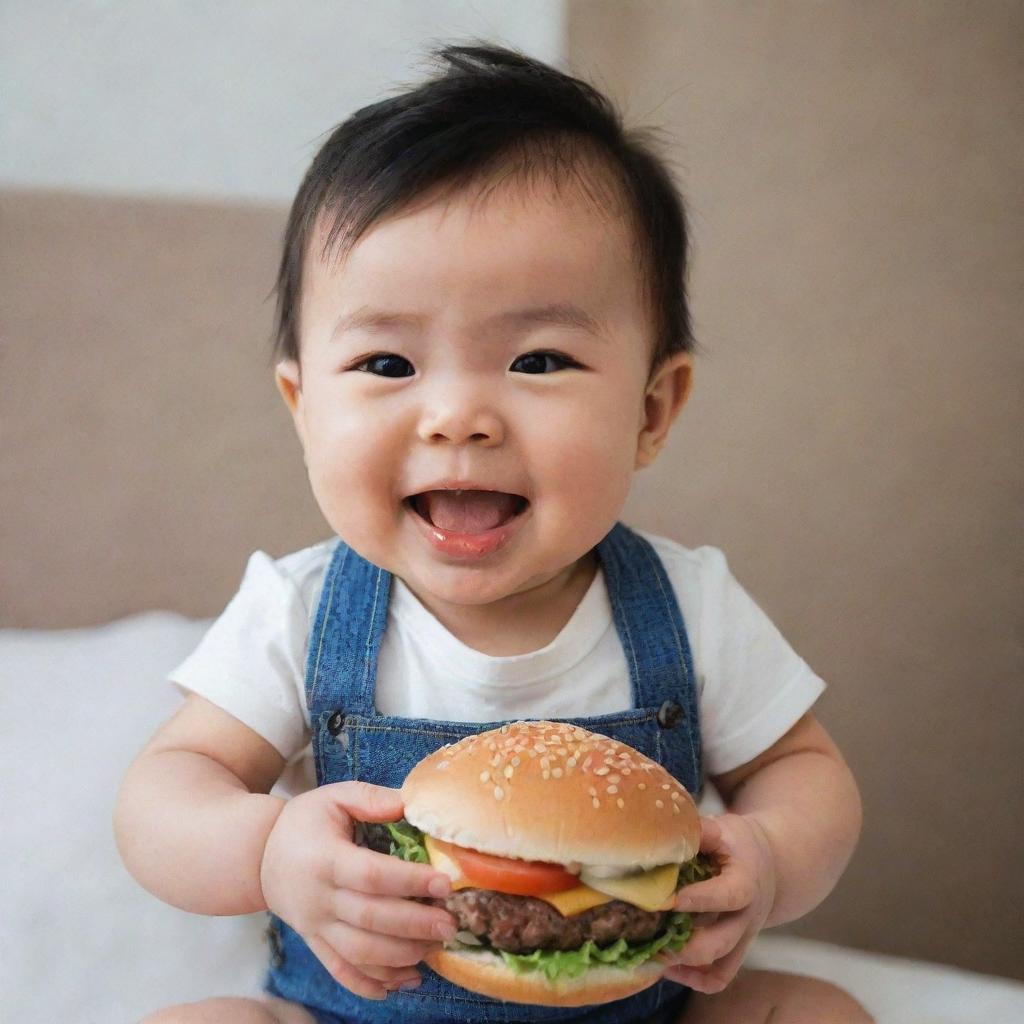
x=794, y=816
x=196, y=827
x=804, y=798
x=193, y=813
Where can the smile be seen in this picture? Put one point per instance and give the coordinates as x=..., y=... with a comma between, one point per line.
x=467, y=524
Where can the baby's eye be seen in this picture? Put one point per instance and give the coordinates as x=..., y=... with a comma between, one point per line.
x=386, y=366
x=543, y=362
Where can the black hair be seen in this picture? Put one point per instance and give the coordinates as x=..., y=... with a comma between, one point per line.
x=490, y=112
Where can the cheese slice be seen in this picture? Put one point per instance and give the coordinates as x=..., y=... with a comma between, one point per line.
x=649, y=890
x=575, y=901
x=440, y=860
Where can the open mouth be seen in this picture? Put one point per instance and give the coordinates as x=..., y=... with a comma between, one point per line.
x=467, y=511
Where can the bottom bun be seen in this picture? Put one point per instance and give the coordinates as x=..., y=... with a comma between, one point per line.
x=489, y=975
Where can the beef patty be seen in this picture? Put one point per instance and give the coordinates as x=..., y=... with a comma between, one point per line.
x=521, y=924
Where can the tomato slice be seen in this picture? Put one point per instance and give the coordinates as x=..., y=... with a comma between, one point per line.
x=503, y=874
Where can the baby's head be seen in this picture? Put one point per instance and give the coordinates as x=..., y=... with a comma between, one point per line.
x=482, y=325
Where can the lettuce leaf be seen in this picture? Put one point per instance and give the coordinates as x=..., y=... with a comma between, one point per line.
x=698, y=869
x=557, y=964
x=407, y=842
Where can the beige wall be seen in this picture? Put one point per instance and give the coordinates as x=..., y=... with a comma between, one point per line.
x=854, y=440
x=852, y=444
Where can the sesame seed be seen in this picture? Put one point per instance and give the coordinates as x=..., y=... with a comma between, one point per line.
x=612, y=789
x=615, y=779
x=677, y=796
x=545, y=774
x=508, y=772
x=665, y=785
x=516, y=762
x=600, y=771
x=621, y=803
x=659, y=803
x=675, y=808
x=485, y=776
x=571, y=763
x=596, y=802
x=592, y=791
x=498, y=792
x=641, y=785
x=496, y=760
x=443, y=765
x=557, y=772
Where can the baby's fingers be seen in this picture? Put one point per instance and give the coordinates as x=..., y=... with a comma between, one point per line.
x=712, y=943
x=710, y=978
x=365, y=801
x=391, y=915
x=731, y=890
x=345, y=973
x=382, y=875
x=711, y=838
x=362, y=947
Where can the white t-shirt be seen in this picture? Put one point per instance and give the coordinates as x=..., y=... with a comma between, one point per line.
x=251, y=662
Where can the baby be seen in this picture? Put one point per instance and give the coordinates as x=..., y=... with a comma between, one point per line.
x=482, y=334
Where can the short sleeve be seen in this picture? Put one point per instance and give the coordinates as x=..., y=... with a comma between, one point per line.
x=251, y=660
x=755, y=685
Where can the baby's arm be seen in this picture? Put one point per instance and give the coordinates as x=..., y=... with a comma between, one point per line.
x=794, y=816
x=195, y=825
x=193, y=814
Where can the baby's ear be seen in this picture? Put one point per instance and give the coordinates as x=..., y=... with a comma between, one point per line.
x=289, y=383
x=663, y=401
x=288, y=378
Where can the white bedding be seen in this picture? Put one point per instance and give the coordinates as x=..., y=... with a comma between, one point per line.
x=81, y=943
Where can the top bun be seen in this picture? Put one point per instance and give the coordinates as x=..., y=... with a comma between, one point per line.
x=554, y=792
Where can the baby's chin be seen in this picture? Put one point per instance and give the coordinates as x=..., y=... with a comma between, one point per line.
x=468, y=586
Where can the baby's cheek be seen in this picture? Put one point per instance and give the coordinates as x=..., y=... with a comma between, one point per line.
x=592, y=467
x=350, y=483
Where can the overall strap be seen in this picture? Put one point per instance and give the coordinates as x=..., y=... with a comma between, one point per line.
x=353, y=608
x=651, y=629
x=341, y=667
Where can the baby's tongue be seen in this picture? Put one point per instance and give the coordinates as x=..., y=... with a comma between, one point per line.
x=468, y=511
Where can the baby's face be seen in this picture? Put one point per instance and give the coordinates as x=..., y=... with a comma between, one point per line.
x=443, y=355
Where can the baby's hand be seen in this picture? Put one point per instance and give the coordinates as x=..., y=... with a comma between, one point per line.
x=348, y=902
x=730, y=908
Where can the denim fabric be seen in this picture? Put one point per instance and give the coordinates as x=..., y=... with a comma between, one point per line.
x=351, y=741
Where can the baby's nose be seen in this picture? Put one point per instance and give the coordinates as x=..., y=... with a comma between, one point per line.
x=462, y=421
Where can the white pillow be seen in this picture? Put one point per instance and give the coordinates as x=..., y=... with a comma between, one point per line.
x=79, y=939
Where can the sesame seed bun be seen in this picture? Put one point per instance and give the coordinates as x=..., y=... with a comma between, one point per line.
x=487, y=974
x=553, y=792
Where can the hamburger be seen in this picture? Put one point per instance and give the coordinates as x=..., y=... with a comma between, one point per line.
x=565, y=849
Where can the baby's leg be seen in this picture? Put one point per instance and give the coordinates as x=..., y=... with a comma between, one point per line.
x=268, y=1010
x=768, y=997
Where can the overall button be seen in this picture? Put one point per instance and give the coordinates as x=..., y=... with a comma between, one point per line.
x=335, y=722
x=670, y=714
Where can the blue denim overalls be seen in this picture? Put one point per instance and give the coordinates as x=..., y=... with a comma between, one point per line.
x=352, y=741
